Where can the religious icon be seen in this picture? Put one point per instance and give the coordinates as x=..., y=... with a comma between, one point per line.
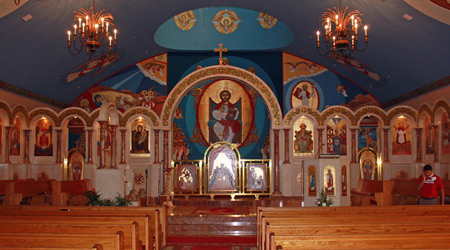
x=76, y=165
x=225, y=112
x=44, y=138
x=445, y=134
x=256, y=177
x=337, y=136
x=429, y=136
x=329, y=180
x=401, y=139
x=185, y=20
x=15, y=138
x=180, y=150
x=225, y=120
x=312, y=187
x=222, y=169
x=367, y=137
x=367, y=169
x=266, y=21
x=187, y=177
x=305, y=94
x=226, y=21
x=344, y=180
x=139, y=142
x=303, y=139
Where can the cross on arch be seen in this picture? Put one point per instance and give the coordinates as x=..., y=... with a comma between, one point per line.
x=220, y=50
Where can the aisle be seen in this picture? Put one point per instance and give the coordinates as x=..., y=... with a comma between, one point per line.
x=218, y=228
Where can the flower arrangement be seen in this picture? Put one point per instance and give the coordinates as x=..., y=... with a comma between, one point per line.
x=95, y=200
x=323, y=200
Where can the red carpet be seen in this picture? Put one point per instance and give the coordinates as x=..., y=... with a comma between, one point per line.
x=211, y=242
x=221, y=211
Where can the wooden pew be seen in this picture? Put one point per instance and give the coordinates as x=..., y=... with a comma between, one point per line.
x=356, y=242
x=83, y=220
x=265, y=214
x=354, y=229
x=156, y=216
x=404, y=192
x=74, y=192
x=62, y=240
x=5, y=189
x=368, y=193
x=95, y=247
x=59, y=192
x=130, y=232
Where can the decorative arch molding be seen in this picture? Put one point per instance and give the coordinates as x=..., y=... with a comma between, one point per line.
x=401, y=111
x=293, y=113
x=93, y=118
x=425, y=108
x=370, y=110
x=441, y=104
x=139, y=111
x=224, y=72
x=80, y=113
x=344, y=111
x=6, y=108
x=46, y=112
x=20, y=109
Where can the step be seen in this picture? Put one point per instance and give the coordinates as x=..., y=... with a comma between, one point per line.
x=211, y=225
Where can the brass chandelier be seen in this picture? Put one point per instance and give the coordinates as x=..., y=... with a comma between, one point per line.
x=91, y=33
x=341, y=31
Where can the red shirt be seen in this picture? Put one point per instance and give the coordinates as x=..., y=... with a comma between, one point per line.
x=431, y=186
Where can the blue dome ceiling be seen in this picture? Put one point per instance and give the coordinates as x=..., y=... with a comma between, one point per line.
x=236, y=28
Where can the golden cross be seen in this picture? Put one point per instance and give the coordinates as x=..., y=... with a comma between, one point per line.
x=220, y=50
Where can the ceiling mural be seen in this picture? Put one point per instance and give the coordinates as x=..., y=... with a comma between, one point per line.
x=306, y=83
x=237, y=28
x=142, y=84
x=407, y=53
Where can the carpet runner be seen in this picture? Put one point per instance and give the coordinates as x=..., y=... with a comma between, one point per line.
x=211, y=242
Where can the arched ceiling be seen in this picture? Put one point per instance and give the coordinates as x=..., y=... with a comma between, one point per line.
x=409, y=41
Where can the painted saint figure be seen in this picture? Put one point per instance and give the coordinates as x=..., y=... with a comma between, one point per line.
x=330, y=182
x=140, y=140
x=303, y=94
x=303, y=139
x=401, y=134
x=312, y=182
x=367, y=169
x=225, y=119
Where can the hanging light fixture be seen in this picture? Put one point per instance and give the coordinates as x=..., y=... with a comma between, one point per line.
x=91, y=32
x=341, y=31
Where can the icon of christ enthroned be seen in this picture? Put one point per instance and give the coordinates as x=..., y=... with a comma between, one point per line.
x=225, y=119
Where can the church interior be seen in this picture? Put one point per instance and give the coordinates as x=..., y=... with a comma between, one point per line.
x=220, y=118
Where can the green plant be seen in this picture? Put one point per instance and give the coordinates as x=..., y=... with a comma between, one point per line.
x=95, y=200
x=323, y=200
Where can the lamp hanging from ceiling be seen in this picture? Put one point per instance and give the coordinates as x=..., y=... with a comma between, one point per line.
x=341, y=31
x=91, y=32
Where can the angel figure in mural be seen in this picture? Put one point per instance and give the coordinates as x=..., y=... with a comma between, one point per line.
x=401, y=134
x=225, y=120
x=303, y=94
x=330, y=182
x=303, y=139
